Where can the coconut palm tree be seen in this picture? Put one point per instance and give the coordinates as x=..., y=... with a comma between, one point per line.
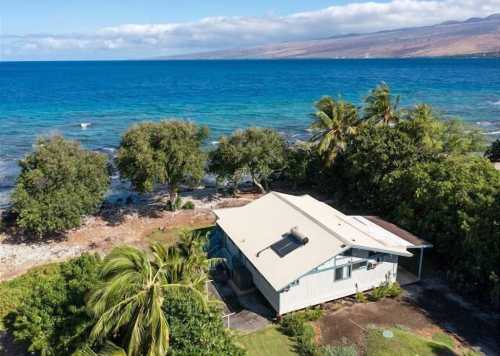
x=127, y=304
x=335, y=121
x=109, y=349
x=381, y=107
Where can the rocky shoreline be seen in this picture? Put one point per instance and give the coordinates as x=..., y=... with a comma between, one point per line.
x=117, y=225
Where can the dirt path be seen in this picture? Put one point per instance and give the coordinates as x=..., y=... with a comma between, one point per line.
x=117, y=226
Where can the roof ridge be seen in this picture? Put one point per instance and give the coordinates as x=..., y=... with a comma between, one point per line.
x=323, y=226
x=344, y=219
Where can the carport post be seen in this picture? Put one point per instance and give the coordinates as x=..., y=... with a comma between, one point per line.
x=420, y=263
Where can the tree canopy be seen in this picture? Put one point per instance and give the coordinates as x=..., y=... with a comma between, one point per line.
x=59, y=183
x=257, y=152
x=381, y=107
x=493, y=151
x=131, y=303
x=455, y=204
x=128, y=303
x=53, y=318
x=165, y=152
x=335, y=123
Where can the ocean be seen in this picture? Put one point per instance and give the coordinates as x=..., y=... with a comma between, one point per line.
x=94, y=102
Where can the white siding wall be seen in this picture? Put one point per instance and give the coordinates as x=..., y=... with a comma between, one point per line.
x=319, y=287
x=260, y=282
x=272, y=296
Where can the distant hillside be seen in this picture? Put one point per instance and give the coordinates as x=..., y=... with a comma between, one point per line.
x=473, y=37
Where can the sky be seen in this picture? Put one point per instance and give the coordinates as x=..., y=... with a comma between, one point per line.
x=134, y=29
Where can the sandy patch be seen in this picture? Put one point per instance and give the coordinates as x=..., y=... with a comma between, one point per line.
x=125, y=224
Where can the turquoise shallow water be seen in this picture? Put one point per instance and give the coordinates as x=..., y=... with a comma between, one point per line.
x=44, y=97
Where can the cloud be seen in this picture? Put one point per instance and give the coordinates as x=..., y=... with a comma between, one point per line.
x=132, y=40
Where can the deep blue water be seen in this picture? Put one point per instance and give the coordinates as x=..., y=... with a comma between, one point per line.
x=39, y=98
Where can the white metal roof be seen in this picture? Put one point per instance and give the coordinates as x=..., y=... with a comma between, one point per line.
x=256, y=226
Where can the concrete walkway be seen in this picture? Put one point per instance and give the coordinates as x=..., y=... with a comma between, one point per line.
x=246, y=313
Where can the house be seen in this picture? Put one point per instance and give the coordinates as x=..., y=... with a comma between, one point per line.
x=299, y=252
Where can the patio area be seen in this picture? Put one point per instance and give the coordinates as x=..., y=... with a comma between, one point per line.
x=247, y=313
x=405, y=277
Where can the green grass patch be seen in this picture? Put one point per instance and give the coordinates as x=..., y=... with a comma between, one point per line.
x=13, y=292
x=169, y=236
x=268, y=341
x=444, y=338
x=404, y=343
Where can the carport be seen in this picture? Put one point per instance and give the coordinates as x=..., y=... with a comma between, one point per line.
x=410, y=268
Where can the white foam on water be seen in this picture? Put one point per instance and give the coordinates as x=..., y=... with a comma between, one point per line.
x=492, y=133
x=8, y=174
x=85, y=125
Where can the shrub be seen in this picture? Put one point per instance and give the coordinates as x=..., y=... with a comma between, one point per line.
x=360, y=297
x=393, y=290
x=493, y=152
x=377, y=293
x=386, y=289
x=52, y=319
x=306, y=344
x=189, y=205
x=292, y=324
x=197, y=332
x=59, y=183
x=340, y=350
x=295, y=325
x=173, y=206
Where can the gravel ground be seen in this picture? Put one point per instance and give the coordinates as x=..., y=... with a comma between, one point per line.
x=118, y=225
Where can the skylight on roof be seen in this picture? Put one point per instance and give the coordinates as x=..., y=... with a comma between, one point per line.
x=286, y=245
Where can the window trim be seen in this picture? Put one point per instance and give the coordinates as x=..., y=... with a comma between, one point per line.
x=346, y=272
x=363, y=264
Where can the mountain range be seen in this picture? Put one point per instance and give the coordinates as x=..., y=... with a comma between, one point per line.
x=473, y=37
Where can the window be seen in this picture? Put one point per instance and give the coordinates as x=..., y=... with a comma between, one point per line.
x=359, y=265
x=343, y=272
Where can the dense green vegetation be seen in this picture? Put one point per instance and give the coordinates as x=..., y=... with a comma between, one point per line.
x=256, y=152
x=166, y=152
x=493, y=151
x=406, y=164
x=296, y=325
x=59, y=183
x=132, y=303
x=419, y=171
x=335, y=123
x=14, y=292
x=52, y=318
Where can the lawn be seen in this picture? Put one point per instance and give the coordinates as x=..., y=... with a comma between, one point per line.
x=269, y=341
x=404, y=343
x=169, y=236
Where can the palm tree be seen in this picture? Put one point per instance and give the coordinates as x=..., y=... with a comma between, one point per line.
x=381, y=107
x=335, y=121
x=127, y=304
x=109, y=349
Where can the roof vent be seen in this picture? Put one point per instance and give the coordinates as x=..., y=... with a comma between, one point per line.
x=299, y=236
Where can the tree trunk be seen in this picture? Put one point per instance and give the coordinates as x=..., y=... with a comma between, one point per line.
x=260, y=186
x=173, y=198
